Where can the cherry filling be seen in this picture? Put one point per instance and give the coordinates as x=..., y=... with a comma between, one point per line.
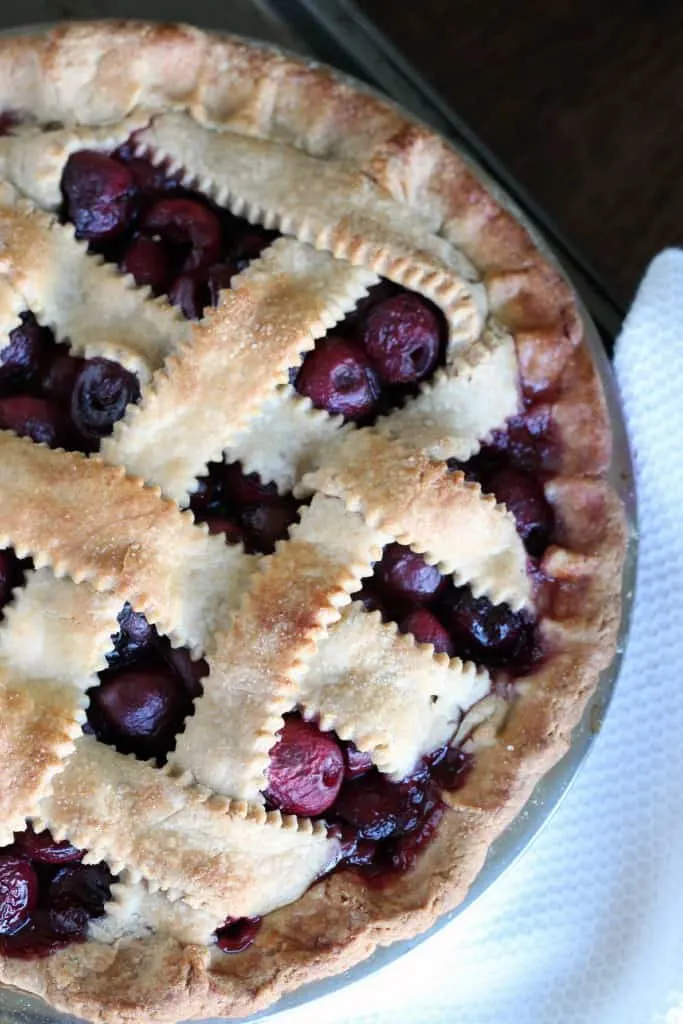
x=47, y=896
x=11, y=574
x=237, y=934
x=171, y=238
x=243, y=508
x=376, y=357
x=56, y=398
x=145, y=695
x=382, y=824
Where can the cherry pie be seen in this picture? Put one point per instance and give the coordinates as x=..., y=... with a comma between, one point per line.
x=309, y=560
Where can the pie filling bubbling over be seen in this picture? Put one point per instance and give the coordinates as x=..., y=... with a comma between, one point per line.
x=180, y=244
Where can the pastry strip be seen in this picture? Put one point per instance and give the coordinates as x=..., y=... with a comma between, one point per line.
x=257, y=663
x=239, y=354
x=326, y=204
x=436, y=512
x=393, y=697
x=181, y=838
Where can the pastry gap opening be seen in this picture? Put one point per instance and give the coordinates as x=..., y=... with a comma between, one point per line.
x=48, y=896
x=376, y=358
x=170, y=237
x=382, y=824
x=243, y=507
x=55, y=398
x=407, y=590
x=146, y=693
x=12, y=576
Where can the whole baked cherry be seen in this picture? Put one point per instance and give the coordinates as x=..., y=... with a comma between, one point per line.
x=190, y=671
x=18, y=893
x=148, y=261
x=402, y=335
x=488, y=634
x=237, y=934
x=88, y=885
x=99, y=193
x=524, y=497
x=37, y=418
x=139, y=710
x=338, y=376
x=246, y=242
x=306, y=769
x=21, y=359
x=405, y=578
x=188, y=226
x=450, y=766
x=101, y=393
x=427, y=629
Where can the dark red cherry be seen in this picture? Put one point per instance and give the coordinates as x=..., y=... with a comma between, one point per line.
x=306, y=769
x=22, y=357
x=217, y=524
x=10, y=574
x=219, y=278
x=148, y=261
x=36, y=939
x=37, y=418
x=246, y=243
x=136, y=638
x=76, y=894
x=60, y=376
x=9, y=120
x=190, y=293
x=18, y=893
x=405, y=578
x=187, y=225
x=41, y=848
x=101, y=393
x=149, y=178
x=524, y=497
x=375, y=807
x=427, y=629
x=449, y=767
x=338, y=376
x=370, y=598
x=237, y=934
x=264, y=525
x=243, y=488
x=99, y=193
x=189, y=671
x=356, y=762
x=402, y=335
x=139, y=710
x=490, y=634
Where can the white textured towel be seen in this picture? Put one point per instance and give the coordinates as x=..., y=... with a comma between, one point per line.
x=587, y=926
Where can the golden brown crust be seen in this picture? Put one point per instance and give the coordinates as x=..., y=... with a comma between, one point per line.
x=100, y=73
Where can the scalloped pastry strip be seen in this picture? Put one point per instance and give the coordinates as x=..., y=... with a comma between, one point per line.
x=286, y=439
x=458, y=410
x=134, y=911
x=182, y=838
x=394, y=698
x=33, y=159
x=435, y=512
x=326, y=204
x=240, y=352
x=51, y=643
x=92, y=522
x=80, y=297
x=258, y=662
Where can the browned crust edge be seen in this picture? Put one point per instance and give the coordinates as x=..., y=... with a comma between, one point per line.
x=339, y=921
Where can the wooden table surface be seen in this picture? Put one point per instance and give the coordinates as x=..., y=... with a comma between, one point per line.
x=581, y=99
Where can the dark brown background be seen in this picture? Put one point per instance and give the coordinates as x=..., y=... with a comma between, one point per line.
x=582, y=100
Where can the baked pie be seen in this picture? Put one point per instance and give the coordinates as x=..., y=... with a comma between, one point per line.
x=309, y=560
